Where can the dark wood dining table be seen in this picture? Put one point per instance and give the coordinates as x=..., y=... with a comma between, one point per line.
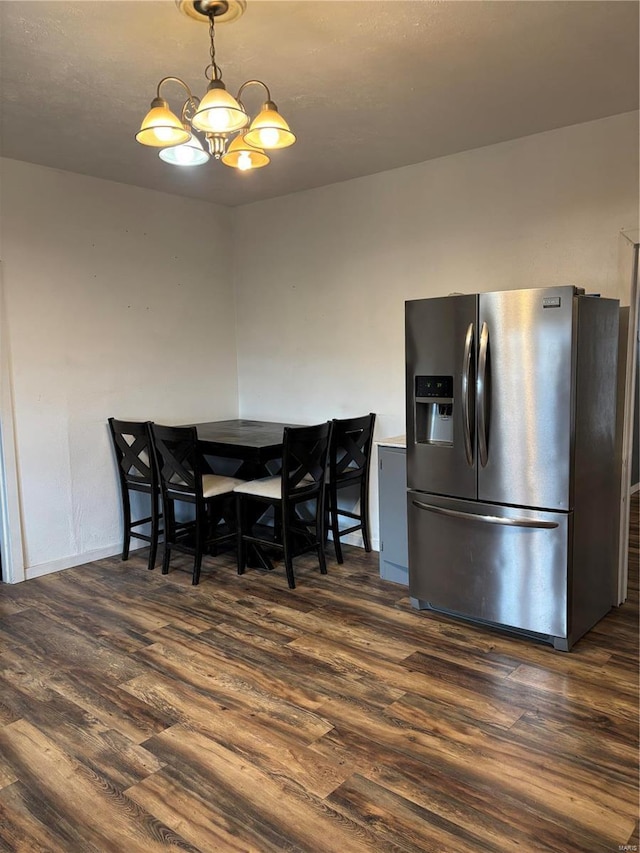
x=257, y=448
x=254, y=444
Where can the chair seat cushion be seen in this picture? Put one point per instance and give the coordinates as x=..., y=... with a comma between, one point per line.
x=266, y=487
x=214, y=484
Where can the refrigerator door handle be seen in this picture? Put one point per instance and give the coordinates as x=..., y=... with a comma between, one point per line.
x=482, y=395
x=466, y=390
x=491, y=519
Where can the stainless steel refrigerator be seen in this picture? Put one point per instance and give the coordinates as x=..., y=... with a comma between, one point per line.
x=512, y=509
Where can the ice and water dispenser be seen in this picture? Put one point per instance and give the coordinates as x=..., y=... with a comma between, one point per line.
x=433, y=401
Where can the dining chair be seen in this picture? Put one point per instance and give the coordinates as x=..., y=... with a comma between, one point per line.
x=349, y=463
x=137, y=472
x=183, y=479
x=297, y=499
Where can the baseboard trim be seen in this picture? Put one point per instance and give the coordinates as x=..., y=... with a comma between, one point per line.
x=356, y=539
x=70, y=562
x=114, y=550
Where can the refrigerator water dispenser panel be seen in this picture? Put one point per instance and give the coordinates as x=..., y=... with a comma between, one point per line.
x=433, y=412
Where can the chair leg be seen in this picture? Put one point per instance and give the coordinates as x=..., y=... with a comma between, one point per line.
x=197, y=563
x=155, y=523
x=241, y=548
x=126, y=518
x=364, y=521
x=288, y=559
x=364, y=517
x=322, y=558
x=169, y=532
x=288, y=565
x=325, y=514
x=321, y=535
x=165, y=559
x=201, y=536
x=335, y=528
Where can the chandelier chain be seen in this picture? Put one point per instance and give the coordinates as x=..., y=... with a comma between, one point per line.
x=212, y=48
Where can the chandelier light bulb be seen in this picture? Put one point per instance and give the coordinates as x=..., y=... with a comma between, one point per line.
x=269, y=137
x=241, y=155
x=219, y=121
x=164, y=134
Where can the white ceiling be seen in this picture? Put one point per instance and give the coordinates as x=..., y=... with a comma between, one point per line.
x=367, y=85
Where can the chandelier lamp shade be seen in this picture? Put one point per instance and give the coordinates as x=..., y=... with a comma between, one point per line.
x=229, y=133
x=161, y=127
x=189, y=153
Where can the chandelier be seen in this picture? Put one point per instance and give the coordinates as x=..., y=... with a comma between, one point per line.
x=230, y=134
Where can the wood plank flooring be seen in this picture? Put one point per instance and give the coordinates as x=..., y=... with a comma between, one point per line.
x=139, y=713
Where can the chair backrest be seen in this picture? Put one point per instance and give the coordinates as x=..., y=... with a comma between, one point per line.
x=350, y=451
x=134, y=454
x=304, y=459
x=178, y=459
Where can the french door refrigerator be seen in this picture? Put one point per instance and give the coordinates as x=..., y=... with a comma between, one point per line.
x=511, y=400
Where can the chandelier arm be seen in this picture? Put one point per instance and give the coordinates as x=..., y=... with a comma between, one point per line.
x=189, y=109
x=250, y=83
x=175, y=80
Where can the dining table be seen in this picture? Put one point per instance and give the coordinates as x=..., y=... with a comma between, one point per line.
x=251, y=449
x=255, y=445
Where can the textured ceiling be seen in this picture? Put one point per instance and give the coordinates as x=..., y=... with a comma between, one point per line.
x=367, y=85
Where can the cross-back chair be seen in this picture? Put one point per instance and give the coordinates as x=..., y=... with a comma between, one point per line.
x=297, y=498
x=137, y=473
x=183, y=479
x=349, y=463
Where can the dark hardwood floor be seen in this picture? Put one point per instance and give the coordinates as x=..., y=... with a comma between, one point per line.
x=139, y=713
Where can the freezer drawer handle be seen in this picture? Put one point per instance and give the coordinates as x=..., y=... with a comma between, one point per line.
x=492, y=519
x=483, y=438
x=466, y=406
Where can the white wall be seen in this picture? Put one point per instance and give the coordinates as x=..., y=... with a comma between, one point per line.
x=322, y=276
x=120, y=302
